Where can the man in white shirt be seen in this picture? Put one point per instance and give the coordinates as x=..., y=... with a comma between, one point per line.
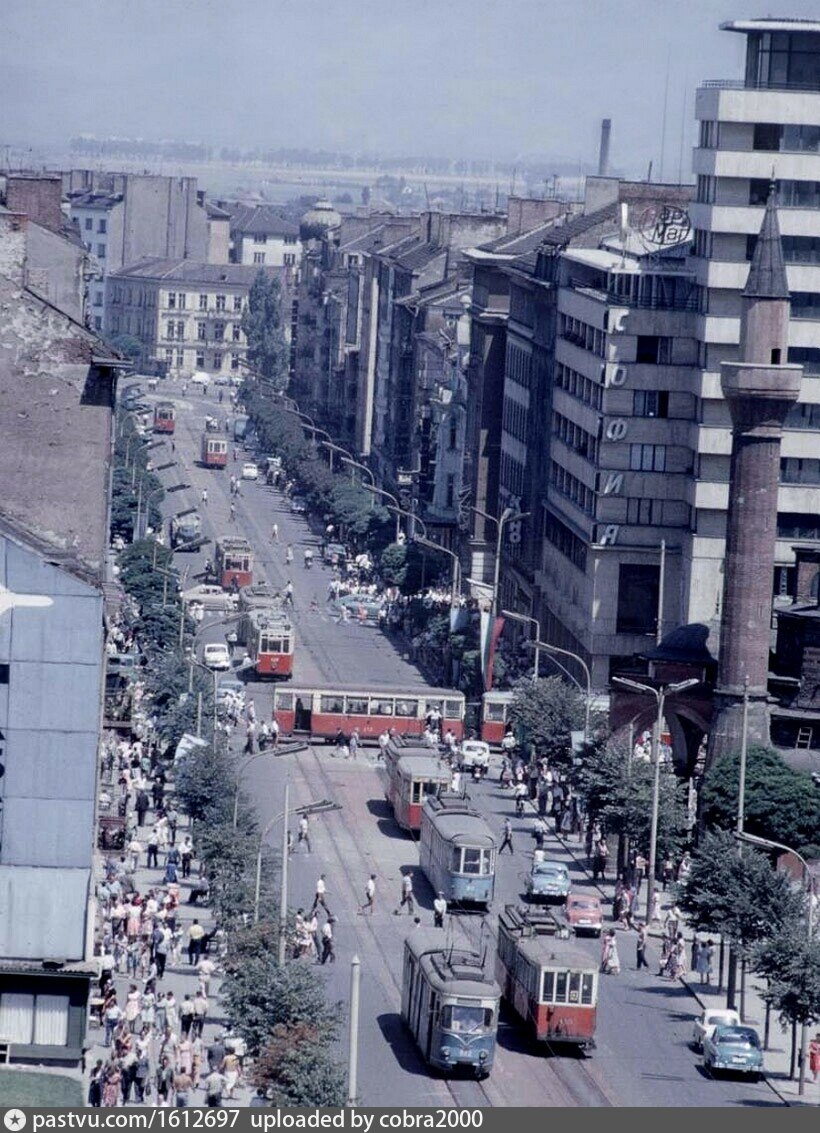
x=439, y=910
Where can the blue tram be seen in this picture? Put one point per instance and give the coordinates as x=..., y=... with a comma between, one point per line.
x=449, y=1004
x=457, y=850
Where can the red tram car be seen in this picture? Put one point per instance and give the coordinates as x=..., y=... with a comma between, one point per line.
x=548, y=980
x=410, y=775
x=213, y=451
x=165, y=417
x=267, y=634
x=321, y=712
x=233, y=559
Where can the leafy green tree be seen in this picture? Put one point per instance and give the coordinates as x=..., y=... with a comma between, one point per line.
x=204, y=784
x=259, y=995
x=544, y=712
x=263, y=329
x=791, y=964
x=736, y=894
x=297, y=1067
x=128, y=345
x=780, y=804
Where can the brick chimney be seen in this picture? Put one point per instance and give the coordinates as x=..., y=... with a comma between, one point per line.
x=38, y=196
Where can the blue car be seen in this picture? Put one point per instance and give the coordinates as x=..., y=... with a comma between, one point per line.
x=548, y=881
x=735, y=1048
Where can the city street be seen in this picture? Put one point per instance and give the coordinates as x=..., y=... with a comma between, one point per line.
x=644, y=1023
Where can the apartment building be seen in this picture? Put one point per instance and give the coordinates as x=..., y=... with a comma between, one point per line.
x=764, y=124
x=186, y=315
x=263, y=237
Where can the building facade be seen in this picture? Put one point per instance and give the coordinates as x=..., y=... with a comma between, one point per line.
x=187, y=316
x=263, y=238
x=761, y=126
x=53, y=543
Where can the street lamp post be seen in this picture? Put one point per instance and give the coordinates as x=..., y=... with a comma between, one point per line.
x=211, y=672
x=660, y=694
x=361, y=467
x=527, y=620
x=506, y=516
x=767, y=844
x=455, y=580
x=394, y=506
x=587, y=675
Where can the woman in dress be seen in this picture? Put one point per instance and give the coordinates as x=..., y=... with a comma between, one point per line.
x=171, y=1011
x=197, y=1058
x=706, y=956
x=148, y=1013
x=610, y=960
x=112, y=1080
x=133, y=1006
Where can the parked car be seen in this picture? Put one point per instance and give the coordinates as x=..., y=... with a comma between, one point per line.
x=222, y=380
x=474, y=753
x=548, y=881
x=361, y=608
x=209, y=595
x=735, y=1048
x=298, y=505
x=228, y=687
x=704, y=1025
x=335, y=554
x=200, y=378
x=584, y=914
x=250, y=471
x=216, y=655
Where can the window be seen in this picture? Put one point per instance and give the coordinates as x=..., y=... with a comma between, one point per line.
x=236, y=332
x=101, y=251
x=332, y=704
x=708, y=134
x=97, y=322
x=260, y=238
x=102, y=225
x=638, y=585
x=795, y=470
x=258, y=257
x=767, y=136
x=565, y=541
x=234, y=361
x=180, y=330
x=200, y=360
x=650, y=403
x=169, y=357
x=647, y=458
x=171, y=326
x=38, y=1019
x=803, y=416
x=217, y=360
x=98, y=298
x=219, y=332
x=706, y=190
x=807, y=356
x=180, y=357
x=288, y=259
x=471, y=860
x=181, y=300
x=381, y=707
x=220, y=302
x=237, y=302
x=202, y=331
x=644, y=513
x=653, y=348
x=203, y=302
x=356, y=705
x=406, y=707
x=451, y=491
x=172, y=300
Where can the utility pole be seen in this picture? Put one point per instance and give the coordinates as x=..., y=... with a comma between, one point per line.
x=283, y=896
x=353, y=1055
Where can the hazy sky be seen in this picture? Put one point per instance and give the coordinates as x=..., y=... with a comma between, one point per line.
x=509, y=79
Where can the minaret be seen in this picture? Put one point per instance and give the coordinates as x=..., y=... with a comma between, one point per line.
x=759, y=389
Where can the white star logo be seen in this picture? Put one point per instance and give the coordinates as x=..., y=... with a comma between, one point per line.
x=14, y=1119
x=8, y=600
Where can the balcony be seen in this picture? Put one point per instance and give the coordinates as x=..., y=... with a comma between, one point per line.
x=749, y=84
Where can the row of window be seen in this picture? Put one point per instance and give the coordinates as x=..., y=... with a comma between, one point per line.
x=288, y=259
x=262, y=238
x=575, y=437
x=102, y=224
x=647, y=458
x=565, y=541
x=772, y=137
x=218, y=359
x=573, y=488
x=514, y=419
x=584, y=335
x=575, y=384
x=100, y=253
x=791, y=194
x=518, y=366
x=794, y=470
x=178, y=301
x=512, y=475
x=176, y=330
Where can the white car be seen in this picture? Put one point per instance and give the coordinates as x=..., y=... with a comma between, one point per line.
x=474, y=753
x=704, y=1026
x=200, y=378
x=208, y=595
x=250, y=471
x=216, y=656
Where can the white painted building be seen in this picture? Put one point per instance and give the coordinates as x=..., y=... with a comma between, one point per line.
x=261, y=237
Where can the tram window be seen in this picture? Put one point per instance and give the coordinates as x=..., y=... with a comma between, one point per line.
x=433, y=706
x=381, y=707
x=494, y=711
x=406, y=707
x=286, y=647
x=455, y=863
x=356, y=705
x=587, y=982
x=561, y=982
x=452, y=709
x=574, y=987
x=284, y=701
x=486, y=862
x=472, y=860
x=547, y=987
x=331, y=704
x=467, y=1020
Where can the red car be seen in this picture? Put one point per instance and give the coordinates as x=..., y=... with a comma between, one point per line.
x=584, y=914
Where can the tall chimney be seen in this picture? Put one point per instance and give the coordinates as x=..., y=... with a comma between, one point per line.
x=759, y=389
x=603, y=153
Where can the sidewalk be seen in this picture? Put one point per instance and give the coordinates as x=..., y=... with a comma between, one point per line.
x=180, y=978
x=777, y=1055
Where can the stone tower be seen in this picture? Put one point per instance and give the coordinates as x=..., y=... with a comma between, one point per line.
x=759, y=390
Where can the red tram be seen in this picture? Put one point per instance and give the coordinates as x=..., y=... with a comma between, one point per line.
x=409, y=776
x=213, y=451
x=321, y=712
x=165, y=417
x=550, y=982
x=233, y=559
x=267, y=634
x=495, y=708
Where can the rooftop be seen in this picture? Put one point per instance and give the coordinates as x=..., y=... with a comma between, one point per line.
x=189, y=271
x=263, y=220
x=772, y=24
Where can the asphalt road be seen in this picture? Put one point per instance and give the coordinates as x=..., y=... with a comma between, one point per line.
x=642, y=1056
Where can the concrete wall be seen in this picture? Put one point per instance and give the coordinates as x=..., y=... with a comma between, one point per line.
x=39, y=198
x=56, y=270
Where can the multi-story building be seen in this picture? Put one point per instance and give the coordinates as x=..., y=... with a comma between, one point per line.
x=262, y=237
x=764, y=125
x=126, y=217
x=57, y=391
x=186, y=315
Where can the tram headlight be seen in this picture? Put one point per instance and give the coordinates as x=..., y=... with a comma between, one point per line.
x=482, y=1057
